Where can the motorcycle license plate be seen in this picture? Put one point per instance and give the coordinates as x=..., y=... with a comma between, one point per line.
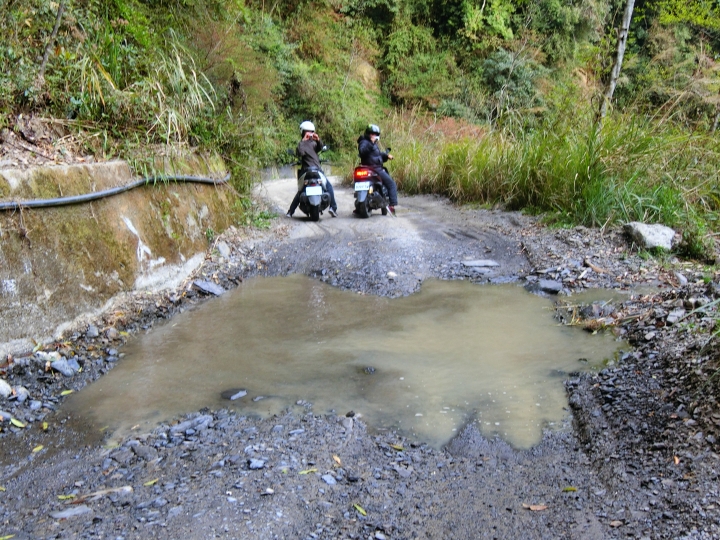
x=362, y=186
x=313, y=190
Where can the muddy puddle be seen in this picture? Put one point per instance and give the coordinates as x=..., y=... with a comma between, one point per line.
x=424, y=364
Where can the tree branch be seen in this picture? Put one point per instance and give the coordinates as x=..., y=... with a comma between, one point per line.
x=51, y=41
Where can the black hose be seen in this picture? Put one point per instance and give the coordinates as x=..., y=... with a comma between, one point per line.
x=64, y=201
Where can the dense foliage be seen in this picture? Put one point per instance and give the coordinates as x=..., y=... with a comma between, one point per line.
x=516, y=82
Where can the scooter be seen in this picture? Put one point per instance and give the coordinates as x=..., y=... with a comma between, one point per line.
x=370, y=193
x=314, y=198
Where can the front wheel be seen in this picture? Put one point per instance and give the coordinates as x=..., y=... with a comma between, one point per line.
x=362, y=209
x=314, y=213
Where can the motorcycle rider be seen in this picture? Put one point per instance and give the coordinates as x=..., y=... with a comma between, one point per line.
x=371, y=156
x=307, y=152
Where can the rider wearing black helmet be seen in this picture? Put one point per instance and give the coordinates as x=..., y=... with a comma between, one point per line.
x=372, y=156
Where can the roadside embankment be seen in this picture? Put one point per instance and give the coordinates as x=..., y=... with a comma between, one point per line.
x=59, y=263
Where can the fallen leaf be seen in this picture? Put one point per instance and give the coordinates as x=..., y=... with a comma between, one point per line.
x=37, y=448
x=65, y=497
x=2, y=488
x=151, y=482
x=17, y=423
x=360, y=509
x=337, y=460
x=676, y=460
x=306, y=471
x=396, y=447
x=535, y=507
x=8, y=537
x=616, y=523
x=66, y=392
x=570, y=488
x=45, y=426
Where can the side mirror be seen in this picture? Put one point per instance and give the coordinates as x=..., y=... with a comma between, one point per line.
x=290, y=152
x=389, y=149
x=324, y=148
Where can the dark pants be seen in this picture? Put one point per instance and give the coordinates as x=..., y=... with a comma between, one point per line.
x=390, y=185
x=328, y=187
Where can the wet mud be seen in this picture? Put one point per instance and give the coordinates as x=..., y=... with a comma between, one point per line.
x=637, y=457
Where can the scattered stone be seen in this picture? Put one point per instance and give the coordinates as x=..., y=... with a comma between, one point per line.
x=675, y=315
x=481, y=263
x=223, y=249
x=112, y=334
x=208, y=287
x=544, y=286
x=92, y=331
x=71, y=512
x=198, y=423
x=5, y=389
x=145, y=452
x=650, y=236
x=62, y=366
x=234, y=393
x=21, y=394
x=329, y=479
x=255, y=464
x=682, y=280
x=175, y=511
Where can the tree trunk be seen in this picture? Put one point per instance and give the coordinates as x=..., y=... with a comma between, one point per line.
x=615, y=73
x=40, y=81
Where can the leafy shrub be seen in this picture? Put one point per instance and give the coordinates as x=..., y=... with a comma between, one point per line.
x=511, y=80
x=417, y=72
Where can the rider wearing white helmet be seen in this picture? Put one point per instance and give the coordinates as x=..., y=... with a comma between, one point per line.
x=307, y=152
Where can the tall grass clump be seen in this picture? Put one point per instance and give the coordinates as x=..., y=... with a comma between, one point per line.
x=570, y=169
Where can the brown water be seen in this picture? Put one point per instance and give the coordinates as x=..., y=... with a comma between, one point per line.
x=455, y=352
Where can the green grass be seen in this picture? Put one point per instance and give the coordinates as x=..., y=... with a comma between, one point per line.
x=629, y=170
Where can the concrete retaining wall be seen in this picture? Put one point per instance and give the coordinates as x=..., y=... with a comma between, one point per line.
x=57, y=264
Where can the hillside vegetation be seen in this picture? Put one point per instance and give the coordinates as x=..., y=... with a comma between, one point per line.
x=485, y=101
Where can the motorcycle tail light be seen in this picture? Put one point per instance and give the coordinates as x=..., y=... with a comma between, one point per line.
x=361, y=174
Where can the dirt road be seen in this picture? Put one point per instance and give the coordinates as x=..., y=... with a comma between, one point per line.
x=616, y=471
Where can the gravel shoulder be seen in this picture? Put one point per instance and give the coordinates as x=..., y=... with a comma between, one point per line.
x=637, y=458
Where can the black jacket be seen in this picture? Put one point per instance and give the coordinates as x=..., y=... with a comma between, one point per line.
x=307, y=152
x=370, y=153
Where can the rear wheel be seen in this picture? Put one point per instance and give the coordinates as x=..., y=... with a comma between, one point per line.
x=384, y=210
x=362, y=209
x=314, y=213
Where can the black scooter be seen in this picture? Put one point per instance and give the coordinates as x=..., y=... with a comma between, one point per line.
x=370, y=193
x=314, y=198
